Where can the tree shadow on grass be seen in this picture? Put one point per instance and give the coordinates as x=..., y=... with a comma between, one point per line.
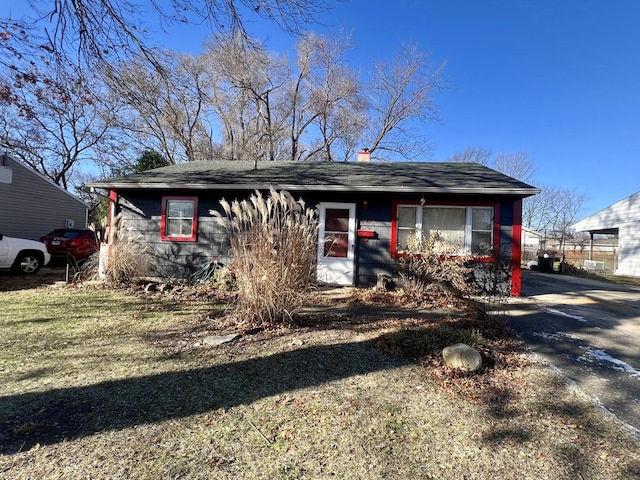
x=13, y=282
x=55, y=415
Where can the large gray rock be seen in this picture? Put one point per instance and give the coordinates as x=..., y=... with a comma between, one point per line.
x=462, y=356
x=214, y=341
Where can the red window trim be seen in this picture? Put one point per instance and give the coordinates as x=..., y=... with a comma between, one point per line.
x=516, y=250
x=163, y=220
x=496, y=223
x=113, y=201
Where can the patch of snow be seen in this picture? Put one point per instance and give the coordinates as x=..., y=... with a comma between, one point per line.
x=555, y=336
x=594, y=398
x=553, y=311
x=630, y=428
x=546, y=335
x=602, y=356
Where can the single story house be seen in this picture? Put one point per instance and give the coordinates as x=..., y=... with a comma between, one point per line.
x=372, y=207
x=621, y=219
x=32, y=205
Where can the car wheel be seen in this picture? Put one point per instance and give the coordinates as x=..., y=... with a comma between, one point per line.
x=28, y=263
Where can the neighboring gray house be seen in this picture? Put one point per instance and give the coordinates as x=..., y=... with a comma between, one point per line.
x=367, y=211
x=31, y=205
x=621, y=219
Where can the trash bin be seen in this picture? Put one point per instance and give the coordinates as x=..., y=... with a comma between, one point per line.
x=546, y=260
x=558, y=264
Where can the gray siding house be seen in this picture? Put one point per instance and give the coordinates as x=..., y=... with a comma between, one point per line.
x=366, y=209
x=623, y=220
x=32, y=205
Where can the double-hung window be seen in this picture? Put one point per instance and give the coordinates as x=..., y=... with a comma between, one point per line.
x=179, y=220
x=465, y=228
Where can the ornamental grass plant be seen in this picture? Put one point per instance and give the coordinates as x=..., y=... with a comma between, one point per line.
x=128, y=258
x=273, y=241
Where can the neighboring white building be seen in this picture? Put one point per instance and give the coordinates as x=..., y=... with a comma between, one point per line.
x=621, y=219
x=532, y=240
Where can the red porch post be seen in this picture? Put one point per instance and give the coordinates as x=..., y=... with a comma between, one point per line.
x=516, y=250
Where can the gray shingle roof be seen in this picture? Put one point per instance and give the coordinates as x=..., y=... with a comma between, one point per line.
x=409, y=177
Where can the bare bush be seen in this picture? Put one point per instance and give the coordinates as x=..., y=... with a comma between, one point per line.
x=273, y=241
x=87, y=270
x=128, y=257
x=492, y=282
x=435, y=264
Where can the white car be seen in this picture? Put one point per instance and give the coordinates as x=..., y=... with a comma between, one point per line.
x=22, y=256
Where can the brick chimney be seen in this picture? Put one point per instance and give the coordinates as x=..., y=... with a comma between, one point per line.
x=364, y=155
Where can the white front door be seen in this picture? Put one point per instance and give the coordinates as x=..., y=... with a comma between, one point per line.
x=336, y=243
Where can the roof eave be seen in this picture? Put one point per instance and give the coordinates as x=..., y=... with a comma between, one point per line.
x=324, y=188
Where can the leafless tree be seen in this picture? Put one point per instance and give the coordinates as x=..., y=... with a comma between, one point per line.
x=234, y=112
x=316, y=109
x=517, y=165
x=55, y=120
x=95, y=35
x=401, y=99
x=103, y=32
x=472, y=154
x=248, y=88
x=169, y=113
x=553, y=211
x=535, y=209
x=564, y=210
x=334, y=109
x=300, y=112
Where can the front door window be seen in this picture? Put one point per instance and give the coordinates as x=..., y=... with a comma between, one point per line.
x=336, y=234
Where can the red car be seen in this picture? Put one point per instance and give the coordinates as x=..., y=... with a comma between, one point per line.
x=71, y=244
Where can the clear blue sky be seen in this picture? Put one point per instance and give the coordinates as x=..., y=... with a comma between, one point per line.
x=558, y=79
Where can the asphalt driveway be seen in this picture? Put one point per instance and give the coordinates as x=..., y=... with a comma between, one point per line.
x=590, y=331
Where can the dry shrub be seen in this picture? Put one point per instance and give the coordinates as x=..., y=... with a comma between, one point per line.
x=434, y=264
x=128, y=257
x=89, y=269
x=273, y=241
x=492, y=282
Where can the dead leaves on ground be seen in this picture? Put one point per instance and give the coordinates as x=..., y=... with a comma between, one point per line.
x=504, y=357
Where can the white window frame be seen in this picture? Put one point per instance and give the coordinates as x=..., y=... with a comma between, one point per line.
x=190, y=236
x=468, y=230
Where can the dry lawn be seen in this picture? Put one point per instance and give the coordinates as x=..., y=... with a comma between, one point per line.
x=100, y=383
